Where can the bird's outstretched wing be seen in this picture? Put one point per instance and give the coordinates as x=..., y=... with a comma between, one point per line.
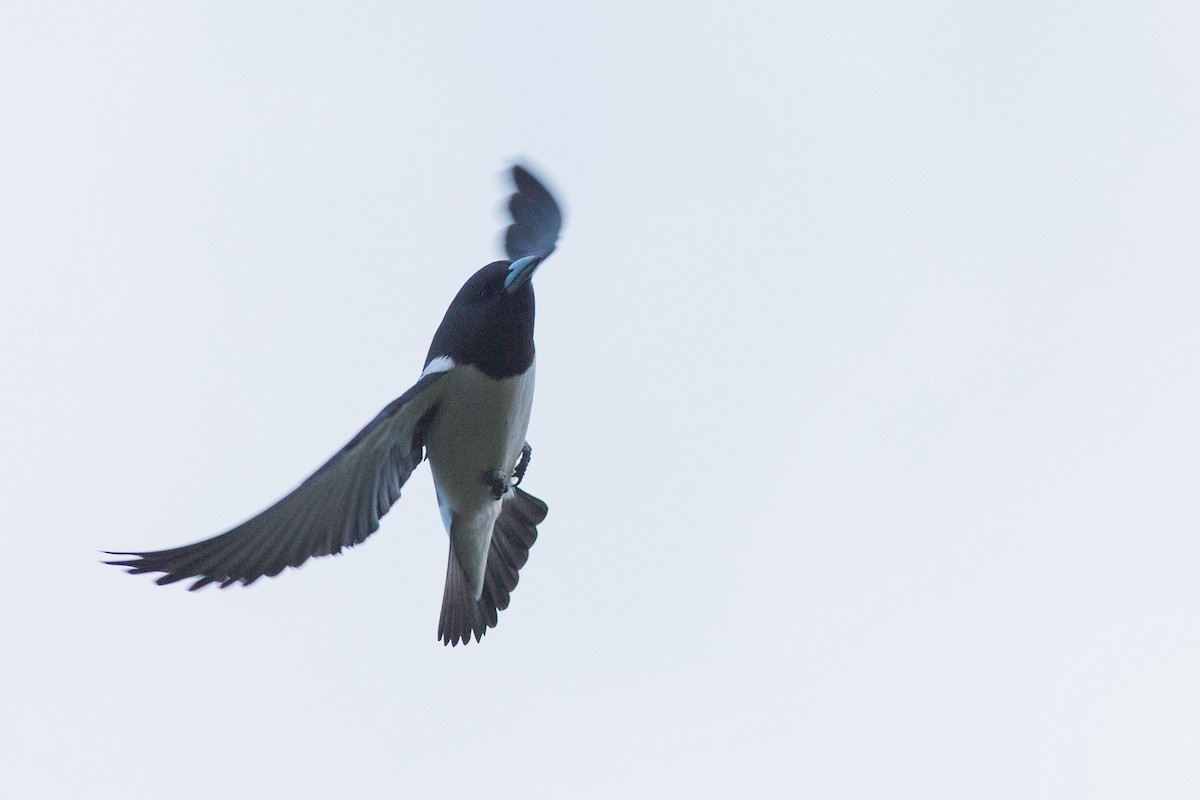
x=338, y=506
x=537, y=218
x=514, y=533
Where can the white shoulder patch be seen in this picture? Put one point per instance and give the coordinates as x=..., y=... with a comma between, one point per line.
x=439, y=364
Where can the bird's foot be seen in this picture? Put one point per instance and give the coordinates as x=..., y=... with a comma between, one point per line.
x=497, y=482
x=522, y=464
x=500, y=483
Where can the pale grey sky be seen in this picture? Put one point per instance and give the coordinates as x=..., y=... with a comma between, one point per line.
x=868, y=375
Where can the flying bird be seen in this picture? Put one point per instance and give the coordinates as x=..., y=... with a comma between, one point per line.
x=467, y=415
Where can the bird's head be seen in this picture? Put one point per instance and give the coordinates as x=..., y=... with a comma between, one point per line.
x=489, y=324
x=501, y=288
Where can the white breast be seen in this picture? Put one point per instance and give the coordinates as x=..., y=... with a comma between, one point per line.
x=479, y=426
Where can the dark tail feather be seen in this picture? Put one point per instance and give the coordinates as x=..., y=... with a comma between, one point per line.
x=514, y=534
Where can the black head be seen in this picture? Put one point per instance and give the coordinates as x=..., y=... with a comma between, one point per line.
x=489, y=324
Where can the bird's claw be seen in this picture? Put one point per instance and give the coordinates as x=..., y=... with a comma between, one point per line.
x=500, y=483
x=522, y=464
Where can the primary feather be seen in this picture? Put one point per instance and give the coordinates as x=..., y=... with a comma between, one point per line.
x=537, y=219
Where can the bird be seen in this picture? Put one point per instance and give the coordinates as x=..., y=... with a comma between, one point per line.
x=467, y=415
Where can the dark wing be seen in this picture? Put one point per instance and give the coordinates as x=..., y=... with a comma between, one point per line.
x=514, y=534
x=338, y=506
x=537, y=219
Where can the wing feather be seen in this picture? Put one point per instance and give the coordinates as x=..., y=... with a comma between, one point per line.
x=537, y=219
x=337, y=507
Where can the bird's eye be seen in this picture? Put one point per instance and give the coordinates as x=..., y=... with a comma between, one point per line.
x=489, y=291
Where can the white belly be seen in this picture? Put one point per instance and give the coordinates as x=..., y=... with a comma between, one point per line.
x=479, y=426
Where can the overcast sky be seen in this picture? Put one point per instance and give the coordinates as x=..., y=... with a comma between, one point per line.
x=866, y=413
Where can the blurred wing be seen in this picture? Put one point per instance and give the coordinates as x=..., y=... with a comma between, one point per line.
x=536, y=217
x=338, y=506
x=514, y=533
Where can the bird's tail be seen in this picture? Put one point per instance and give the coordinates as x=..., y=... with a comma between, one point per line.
x=514, y=534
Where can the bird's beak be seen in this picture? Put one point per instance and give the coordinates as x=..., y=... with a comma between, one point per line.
x=519, y=272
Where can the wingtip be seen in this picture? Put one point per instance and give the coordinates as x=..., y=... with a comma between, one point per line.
x=131, y=564
x=524, y=178
x=535, y=213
